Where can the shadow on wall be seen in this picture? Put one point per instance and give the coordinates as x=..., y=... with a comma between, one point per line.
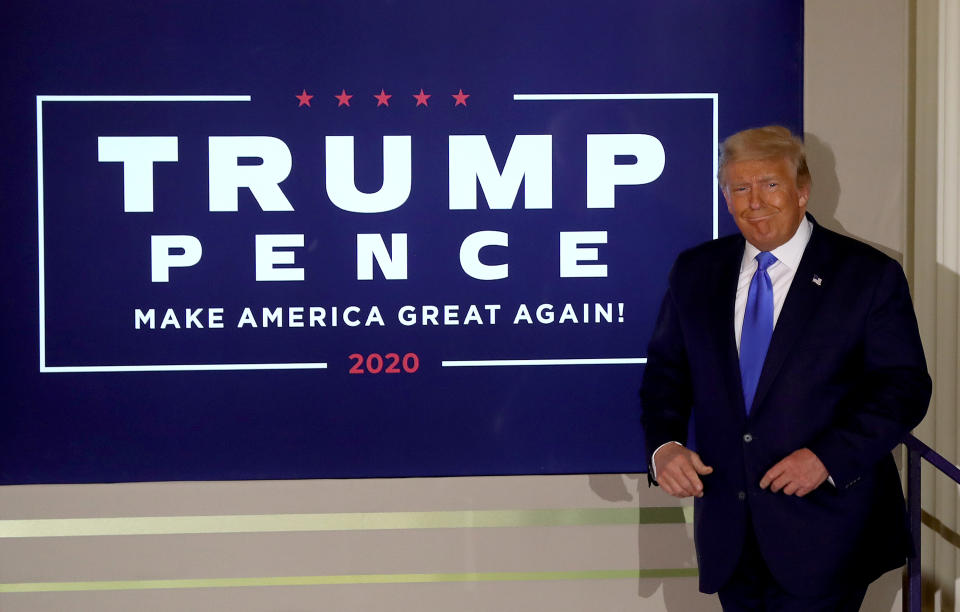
x=826, y=191
x=655, y=547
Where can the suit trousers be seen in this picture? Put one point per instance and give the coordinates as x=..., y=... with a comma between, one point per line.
x=753, y=589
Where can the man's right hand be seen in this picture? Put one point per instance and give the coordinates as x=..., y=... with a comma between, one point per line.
x=679, y=469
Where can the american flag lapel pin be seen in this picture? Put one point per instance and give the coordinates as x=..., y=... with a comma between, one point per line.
x=817, y=280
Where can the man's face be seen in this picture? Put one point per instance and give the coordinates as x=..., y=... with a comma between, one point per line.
x=765, y=201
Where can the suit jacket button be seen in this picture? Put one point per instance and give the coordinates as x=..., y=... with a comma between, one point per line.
x=747, y=438
x=741, y=496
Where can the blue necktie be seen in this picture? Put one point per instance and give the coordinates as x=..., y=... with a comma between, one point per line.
x=757, y=327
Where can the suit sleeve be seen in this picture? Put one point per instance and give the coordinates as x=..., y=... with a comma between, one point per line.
x=665, y=394
x=891, y=394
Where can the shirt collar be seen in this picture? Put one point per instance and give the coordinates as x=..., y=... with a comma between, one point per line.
x=788, y=253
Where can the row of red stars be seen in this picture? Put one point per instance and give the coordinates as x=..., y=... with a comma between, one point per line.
x=383, y=98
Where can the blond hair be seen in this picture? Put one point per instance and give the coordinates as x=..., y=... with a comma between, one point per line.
x=763, y=143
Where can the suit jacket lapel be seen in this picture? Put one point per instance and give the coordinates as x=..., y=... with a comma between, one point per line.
x=725, y=277
x=802, y=301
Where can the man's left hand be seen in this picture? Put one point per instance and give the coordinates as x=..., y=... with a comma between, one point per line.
x=796, y=474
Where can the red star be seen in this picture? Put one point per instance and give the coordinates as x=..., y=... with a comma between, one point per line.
x=304, y=98
x=343, y=99
x=383, y=98
x=421, y=97
x=460, y=97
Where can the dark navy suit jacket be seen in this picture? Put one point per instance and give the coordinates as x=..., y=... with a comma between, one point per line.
x=844, y=376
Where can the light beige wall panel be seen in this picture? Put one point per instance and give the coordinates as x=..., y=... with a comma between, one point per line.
x=606, y=595
x=508, y=549
x=855, y=92
x=579, y=531
x=297, y=496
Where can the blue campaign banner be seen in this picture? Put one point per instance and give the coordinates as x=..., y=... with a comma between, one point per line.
x=357, y=239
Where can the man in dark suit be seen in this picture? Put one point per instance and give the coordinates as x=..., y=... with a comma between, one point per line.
x=796, y=351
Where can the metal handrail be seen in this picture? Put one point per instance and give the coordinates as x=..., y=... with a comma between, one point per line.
x=917, y=450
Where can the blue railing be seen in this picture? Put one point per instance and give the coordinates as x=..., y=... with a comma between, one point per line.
x=917, y=450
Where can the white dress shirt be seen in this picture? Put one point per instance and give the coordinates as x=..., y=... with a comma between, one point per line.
x=781, y=274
